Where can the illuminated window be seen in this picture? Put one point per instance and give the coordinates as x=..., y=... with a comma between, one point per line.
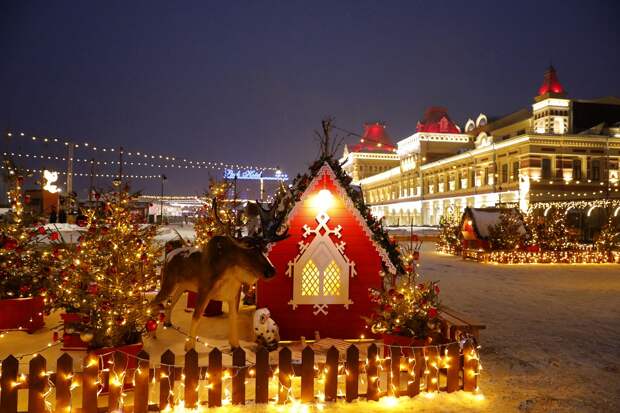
x=310, y=279
x=331, y=280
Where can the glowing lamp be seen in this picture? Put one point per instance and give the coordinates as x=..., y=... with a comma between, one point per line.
x=323, y=200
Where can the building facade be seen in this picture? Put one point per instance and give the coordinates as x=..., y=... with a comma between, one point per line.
x=558, y=149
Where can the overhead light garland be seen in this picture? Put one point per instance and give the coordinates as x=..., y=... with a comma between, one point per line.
x=139, y=154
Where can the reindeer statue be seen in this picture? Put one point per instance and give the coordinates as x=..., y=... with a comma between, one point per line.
x=217, y=271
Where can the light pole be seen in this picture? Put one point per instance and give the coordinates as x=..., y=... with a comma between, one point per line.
x=161, y=200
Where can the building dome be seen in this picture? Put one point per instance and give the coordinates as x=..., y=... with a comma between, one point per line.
x=436, y=120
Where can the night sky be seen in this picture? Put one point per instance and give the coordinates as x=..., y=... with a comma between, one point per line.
x=248, y=82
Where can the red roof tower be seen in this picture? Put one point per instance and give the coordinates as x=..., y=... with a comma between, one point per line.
x=436, y=120
x=374, y=139
x=551, y=84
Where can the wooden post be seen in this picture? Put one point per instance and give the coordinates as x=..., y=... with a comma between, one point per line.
x=238, y=380
x=116, y=381
x=394, y=372
x=416, y=370
x=284, y=376
x=141, y=385
x=64, y=377
x=37, y=382
x=8, y=396
x=191, y=379
x=307, y=375
x=432, y=366
x=262, y=375
x=454, y=366
x=372, y=389
x=470, y=367
x=90, y=384
x=166, y=379
x=215, y=378
x=353, y=372
x=331, y=376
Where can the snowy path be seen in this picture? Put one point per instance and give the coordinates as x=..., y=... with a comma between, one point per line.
x=553, y=331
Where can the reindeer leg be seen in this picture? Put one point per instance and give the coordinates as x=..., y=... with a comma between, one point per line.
x=233, y=312
x=176, y=294
x=201, y=303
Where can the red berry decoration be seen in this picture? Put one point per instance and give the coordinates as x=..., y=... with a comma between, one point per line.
x=151, y=325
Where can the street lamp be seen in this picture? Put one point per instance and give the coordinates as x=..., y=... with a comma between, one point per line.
x=161, y=200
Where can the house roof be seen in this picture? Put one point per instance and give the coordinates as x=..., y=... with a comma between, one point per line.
x=312, y=188
x=436, y=120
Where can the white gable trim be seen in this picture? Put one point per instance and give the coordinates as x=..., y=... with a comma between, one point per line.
x=350, y=206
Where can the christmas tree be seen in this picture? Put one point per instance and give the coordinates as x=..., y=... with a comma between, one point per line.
x=107, y=275
x=24, y=270
x=608, y=240
x=206, y=224
x=508, y=233
x=551, y=231
x=408, y=308
x=450, y=233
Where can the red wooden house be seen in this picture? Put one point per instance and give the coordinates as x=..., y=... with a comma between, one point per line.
x=325, y=267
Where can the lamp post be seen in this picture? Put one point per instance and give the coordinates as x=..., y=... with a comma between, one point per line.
x=161, y=200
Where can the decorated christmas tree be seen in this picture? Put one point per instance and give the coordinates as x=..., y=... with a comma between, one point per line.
x=608, y=240
x=206, y=224
x=24, y=270
x=450, y=233
x=551, y=231
x=107, y=276
x=508, y=233
x=408, y=308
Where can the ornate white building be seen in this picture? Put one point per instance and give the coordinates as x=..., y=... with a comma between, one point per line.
x=556, y=149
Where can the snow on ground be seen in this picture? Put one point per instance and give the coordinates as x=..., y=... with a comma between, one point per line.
x=552, y=341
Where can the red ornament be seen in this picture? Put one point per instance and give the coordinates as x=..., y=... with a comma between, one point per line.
x=437, y=289
x=24, y=289
x=41, y=230
x=54, y=236
x=93, y=288
x=151, y=325
x=432, y=312
x=10, y=244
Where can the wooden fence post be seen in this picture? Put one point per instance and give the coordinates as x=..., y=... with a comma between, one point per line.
x=64, y=377
x=353, y=372
x=166, y=380
x=416, y=371
x=141, y=385
x=470, y=367
x=238, y=380
x=372, y=388
x=8, y=396
x=215, y=378
x=285, y=369
x=37, y=382
x=432, y=366
x=262, y=375
x=191, y=379
x=116, y=381
x=454, y=366
x=90, y=383
x=307, y=375
x=394, y=372
x=331, y=377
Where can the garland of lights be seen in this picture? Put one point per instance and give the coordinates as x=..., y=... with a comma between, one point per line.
x=85, y=174
x=142, y=154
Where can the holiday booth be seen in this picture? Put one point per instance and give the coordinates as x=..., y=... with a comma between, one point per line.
x=476, y=222
x=326, y=267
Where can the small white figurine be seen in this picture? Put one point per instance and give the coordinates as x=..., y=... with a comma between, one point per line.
x=266, y=330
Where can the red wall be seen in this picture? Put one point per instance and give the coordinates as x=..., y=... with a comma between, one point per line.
x=276, y=293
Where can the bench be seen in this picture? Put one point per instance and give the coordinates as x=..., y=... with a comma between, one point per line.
x=455, y=324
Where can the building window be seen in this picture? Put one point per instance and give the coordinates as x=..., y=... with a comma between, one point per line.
x=546, y=168
x=515, y=171
x=596, y=169
x=577, y=169
x=504, y=173
x=472, y=178
x=486, y=175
